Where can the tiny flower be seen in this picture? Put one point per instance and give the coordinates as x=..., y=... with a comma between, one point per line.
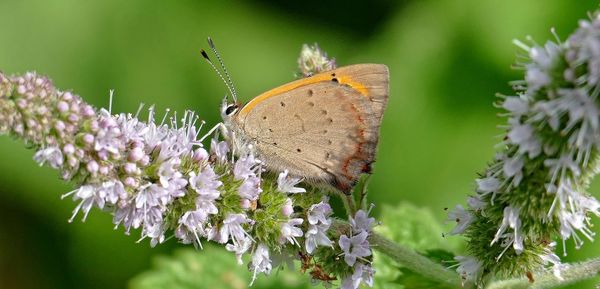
x=511, y=220
x=319, y=213
x=287, y=184
x=469, y=268
x=52, y=155
x=232, y=228
x=362, y=274
x=361, y=222
x=206, y=185
x=261, y=263
x=355, y=247
x=219, y=149
x=239, y=248
x=523, y=136
x=516, y=105
x=488, y=185
x=319, y=222
x=88, y=197
x=245, y=167
x=475, y=203
x=550, y=258
x=462, y=218
x=155, y=231
x=512, y=168
x=289, y=230
x=194, y=222
x=250, y=188
x=316, y=236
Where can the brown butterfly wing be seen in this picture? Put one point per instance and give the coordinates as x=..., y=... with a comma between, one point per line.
x=325, y=131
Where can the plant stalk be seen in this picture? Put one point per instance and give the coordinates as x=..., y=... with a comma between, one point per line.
x=415, y=262
x=571, y=274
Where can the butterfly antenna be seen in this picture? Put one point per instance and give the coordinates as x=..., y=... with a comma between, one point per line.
x=214, y=49
x=205, y=55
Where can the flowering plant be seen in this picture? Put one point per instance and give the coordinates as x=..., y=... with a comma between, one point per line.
x=159, y=178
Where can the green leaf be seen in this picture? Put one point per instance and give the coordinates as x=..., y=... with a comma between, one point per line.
x=210, y=268
x=414, y=227
x=411, y=280
x=417, y=228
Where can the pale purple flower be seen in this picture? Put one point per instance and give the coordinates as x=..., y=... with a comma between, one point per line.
x=361, y=222
x=511, y=220
x=319, y=219
x=558, y=167
x=475, y=203
x=320, y=212
x=239, y=248
x=168, y=171
x=193, y=222
x=549, y=258
x=220, y=149
x=155, y=231
x=108, y=135
x=87, y=195
x=543, y=60
x=512, y=168
x=233, y=228
x=111, y=191
x=516, y=105
x=289, y=231
x=488, y=185
x=524, y=136
x=250, y=188
x=206, y=184
x=316, y=235
x=287, y=184
x=51, y=155
x=461, y=217
x=261, y=263
x=151, y=195
x=469, y=268
x=245, y=167
x=355, y=247
x=362, y=274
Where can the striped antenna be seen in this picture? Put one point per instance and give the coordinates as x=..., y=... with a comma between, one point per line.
x=216, y=52
x=205, y=55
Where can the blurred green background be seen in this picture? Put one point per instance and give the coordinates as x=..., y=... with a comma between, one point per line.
x=447, y=59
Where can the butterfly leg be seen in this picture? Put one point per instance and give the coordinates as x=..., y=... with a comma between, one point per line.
x=219, y=126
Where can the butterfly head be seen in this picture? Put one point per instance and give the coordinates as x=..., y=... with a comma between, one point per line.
x=228, y=110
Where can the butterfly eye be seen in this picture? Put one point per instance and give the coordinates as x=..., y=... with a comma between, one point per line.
x=231, y=109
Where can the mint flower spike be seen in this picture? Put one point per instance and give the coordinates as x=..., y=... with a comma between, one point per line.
x=535, y=189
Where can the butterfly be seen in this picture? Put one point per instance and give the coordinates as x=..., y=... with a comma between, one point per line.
x=323, y=128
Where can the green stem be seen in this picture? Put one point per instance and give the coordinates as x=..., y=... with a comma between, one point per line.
x=573, y=273
x=415, y=262
x=349, y=204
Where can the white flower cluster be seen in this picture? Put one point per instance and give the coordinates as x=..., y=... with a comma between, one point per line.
x=552, y=149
